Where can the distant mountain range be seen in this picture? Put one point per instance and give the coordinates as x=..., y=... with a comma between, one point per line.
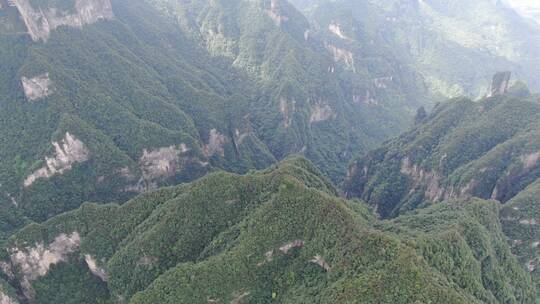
x=179, y=120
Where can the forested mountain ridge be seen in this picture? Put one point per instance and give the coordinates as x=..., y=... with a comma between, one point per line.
x=520, y=221
x=280, y=234
x=487, y=149
x=102, y=100
x=111, y=101
x=322, y=102
x=453, y=46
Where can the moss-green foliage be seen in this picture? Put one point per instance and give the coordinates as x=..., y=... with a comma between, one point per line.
x=210, y=240
x=463, y=148
x=155, y=76
x=422, y=37
x=299, y=72
x=121, y=86
x=464, y=241
x=8, y=290
x=71, y=283
x=11, y=219
x=523, y=234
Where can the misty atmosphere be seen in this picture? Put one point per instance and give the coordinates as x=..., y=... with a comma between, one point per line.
x=269, y=151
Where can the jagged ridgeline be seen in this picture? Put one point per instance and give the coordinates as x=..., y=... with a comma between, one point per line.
x=488, y=149
x=450, y=48
x=101, y=100
x=278, y=235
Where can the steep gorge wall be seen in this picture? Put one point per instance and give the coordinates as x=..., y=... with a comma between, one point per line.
x=40, y=22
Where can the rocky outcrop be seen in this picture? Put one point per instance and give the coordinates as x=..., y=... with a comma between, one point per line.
x=530, y=160
x=216, y=144
x=40, y=21
x=287, y=247
x=383, y=82
x=240, y=136
x=155, y=165
x=274, y=12
x=94, y=268
x=158, y=165
x=500, y=84
x=319, y=260
x=336, y=29
x=35, y=262
x=342, y=55
x=436, y=189
x=162, y=162
x=367, y=98
x=38, y=87
x=431, y=179
x=287, y=109
x=68, y=152
x=321, y=113
x=5, y=299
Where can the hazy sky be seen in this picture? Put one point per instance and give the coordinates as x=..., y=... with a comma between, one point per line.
x=530, y=8
x=529, y=3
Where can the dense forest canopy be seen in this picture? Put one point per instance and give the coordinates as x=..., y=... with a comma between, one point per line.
x=269, y=151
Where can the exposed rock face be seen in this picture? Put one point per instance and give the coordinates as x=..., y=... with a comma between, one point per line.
x=287, y=247
x=435, y=190
x=336, y=30
x=275, y=14
x=41, y=21
x=529, y=222
x=268, y=257
x=5, y=299
x=240, y=136
x=157, y=165
x=37, y=87
x=321, y=113
x=430, y=178
x=319, y=260
x=532, y=264
x=94, y=268
x=68, y=152
x=287, y=109
x=383, y=82
x=218, y=43
x=500, y=84
x=367, y=98
x=35, y=262
x=342, y=55
x=216, y=143
x=239, y=297
x=162, y=162
x=531, y=160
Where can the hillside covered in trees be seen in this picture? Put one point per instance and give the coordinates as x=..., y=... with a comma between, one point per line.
x=278, y=235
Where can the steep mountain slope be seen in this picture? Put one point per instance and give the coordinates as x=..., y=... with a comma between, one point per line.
x=521, y=223
x=455, y=46
x=102, y=99
x=98, y=113
x=315, y=97
x=269, y=236
x=488, y=149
